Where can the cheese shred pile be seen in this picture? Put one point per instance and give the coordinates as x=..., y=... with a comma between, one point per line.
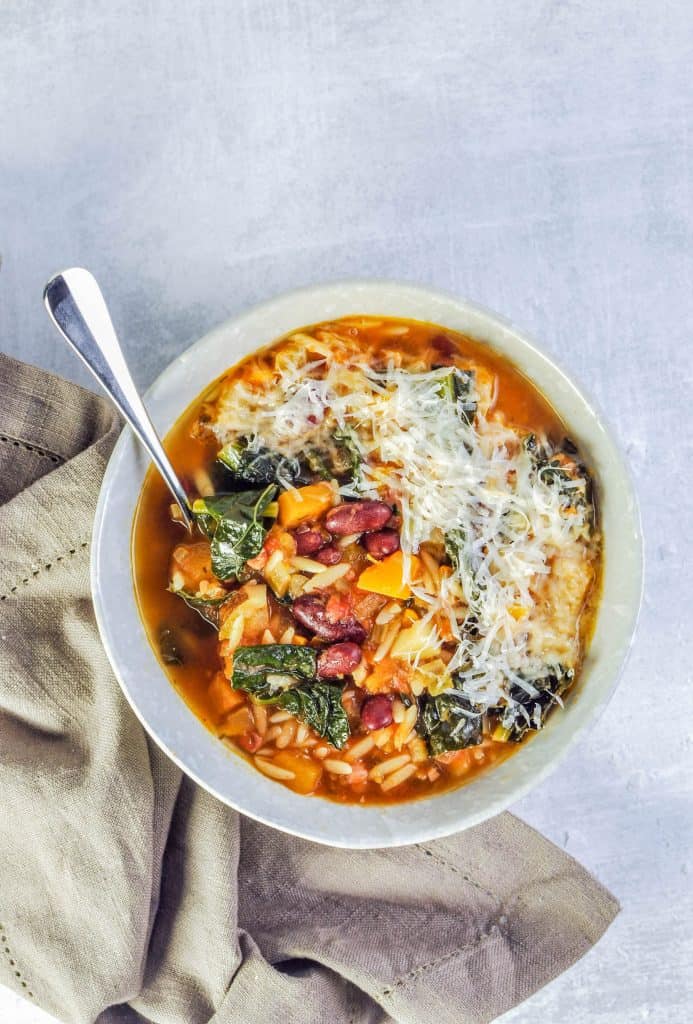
x=507, y=514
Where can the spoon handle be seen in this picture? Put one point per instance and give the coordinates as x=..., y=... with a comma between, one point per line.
x=78, y=309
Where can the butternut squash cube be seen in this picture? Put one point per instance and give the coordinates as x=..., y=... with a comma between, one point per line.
x=307, y=772
x=386, y=577
x=303, y=503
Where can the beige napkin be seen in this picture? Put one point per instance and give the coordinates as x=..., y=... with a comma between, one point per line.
x=129, y=895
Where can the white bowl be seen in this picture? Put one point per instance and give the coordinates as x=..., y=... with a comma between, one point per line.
x=228, y=776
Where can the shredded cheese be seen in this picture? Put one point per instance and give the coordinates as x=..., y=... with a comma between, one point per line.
x=471, y=478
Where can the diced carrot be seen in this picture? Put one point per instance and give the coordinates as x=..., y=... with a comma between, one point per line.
x=386, y=577
x=305, y=503
x=307, y=772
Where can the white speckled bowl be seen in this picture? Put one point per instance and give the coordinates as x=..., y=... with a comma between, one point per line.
x=163, y=712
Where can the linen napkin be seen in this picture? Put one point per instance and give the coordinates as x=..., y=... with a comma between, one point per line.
x=129, y=895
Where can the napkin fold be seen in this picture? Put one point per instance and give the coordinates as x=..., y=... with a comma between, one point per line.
x=128, y=895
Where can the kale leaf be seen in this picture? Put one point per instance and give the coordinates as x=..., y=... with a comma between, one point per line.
x=347, y=459
x=449, y=722
x=338, y=456
x=267, y=670
x=259, y=465
x=318, y=464
x=454, y=546
x=530, y=710
x=458, y=386
x=320, y=706
x=284, y=674
x=233, y=524
x=568, y=475
x=456, y=549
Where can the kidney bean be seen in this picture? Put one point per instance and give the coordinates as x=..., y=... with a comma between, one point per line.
x=309, y=610
x=329, y=555
x=376, y=712
x=308, y=541
x=338, y=660
x=357, y=517
x=382, y=543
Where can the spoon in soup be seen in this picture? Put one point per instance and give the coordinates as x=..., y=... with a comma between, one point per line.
x=78, y=309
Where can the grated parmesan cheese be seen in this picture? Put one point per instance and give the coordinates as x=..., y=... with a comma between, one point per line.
x=475, y=481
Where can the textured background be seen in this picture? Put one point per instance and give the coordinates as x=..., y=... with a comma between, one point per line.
x=533, y=156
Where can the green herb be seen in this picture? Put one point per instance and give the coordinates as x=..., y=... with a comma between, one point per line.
x=348, y=458
x=529, y=710
x=258, y=465
x=449, y=722
x=458, y=386
x=320, y=706
x=454, y=546
x=168, y=647
x=318, y=465
x=209, y=512
x=232, y=522
x=554, y=472
x=338, y=457
x=456, y=549
x=284, y=674
x=267, y=670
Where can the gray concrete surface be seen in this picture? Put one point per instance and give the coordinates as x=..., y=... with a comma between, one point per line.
x=533, y=156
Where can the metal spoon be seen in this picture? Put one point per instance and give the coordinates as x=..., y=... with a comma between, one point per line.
x=78, y=309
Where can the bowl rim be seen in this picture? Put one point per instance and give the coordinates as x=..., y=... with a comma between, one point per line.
x=413, y=828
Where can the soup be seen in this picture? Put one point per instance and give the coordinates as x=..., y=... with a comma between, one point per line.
x=395, y=562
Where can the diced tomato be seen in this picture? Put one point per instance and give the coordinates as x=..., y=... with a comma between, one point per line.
x=359, y=776
x=272, y=540
x=251, y=741
x=279, y=540
x=338, y=607
x=367, y=606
